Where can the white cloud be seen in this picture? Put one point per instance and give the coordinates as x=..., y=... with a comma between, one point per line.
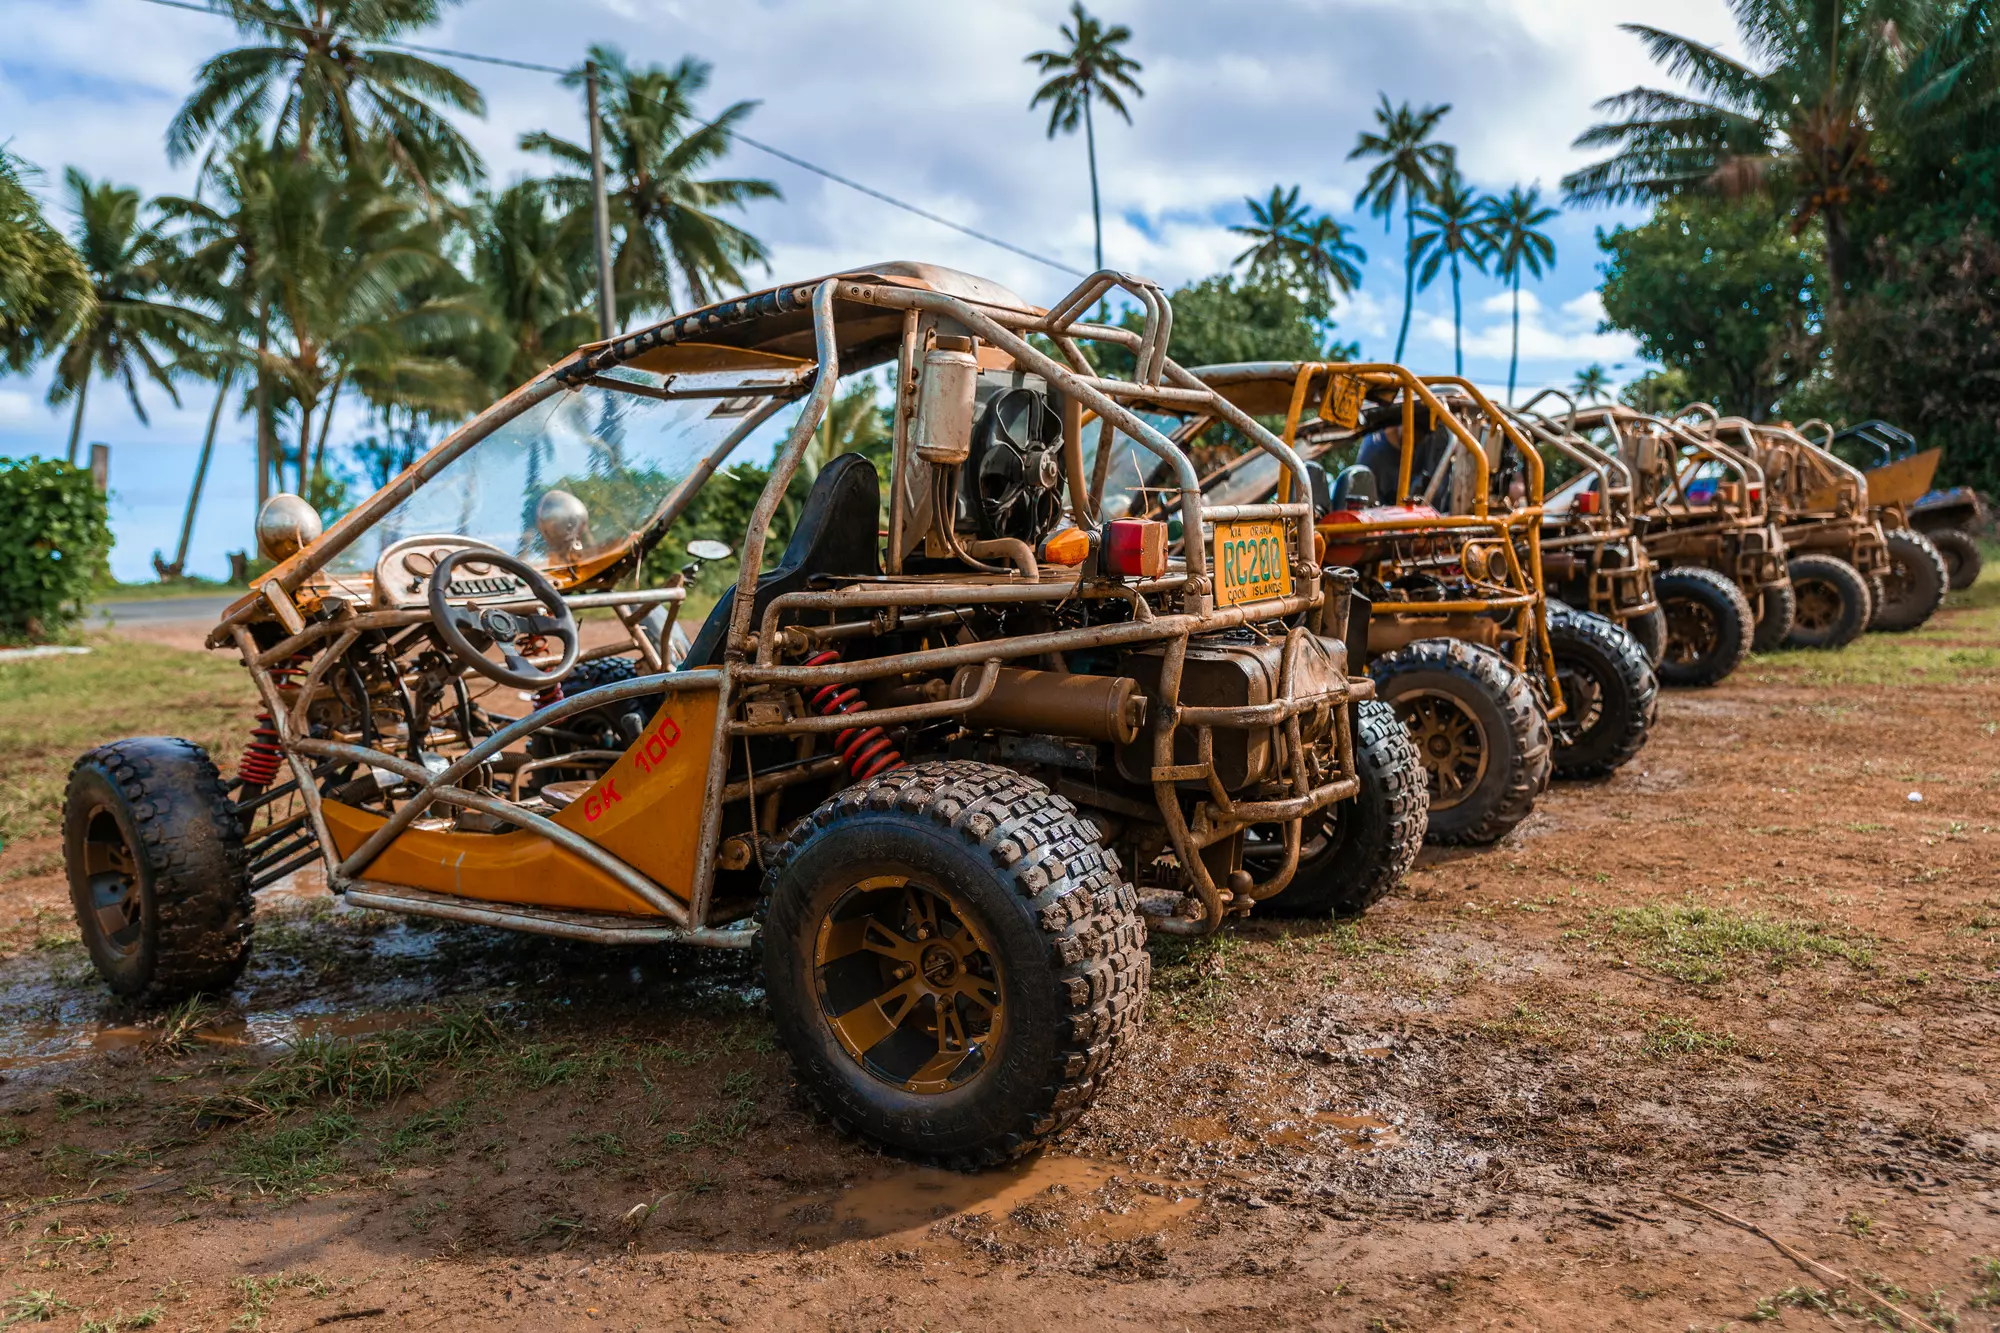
x=929, y=102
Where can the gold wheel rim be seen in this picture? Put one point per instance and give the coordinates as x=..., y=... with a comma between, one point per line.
x=111, y=879
x=1692, y=631
x=1449, y=741
x=1819, y=605
x=909, y=985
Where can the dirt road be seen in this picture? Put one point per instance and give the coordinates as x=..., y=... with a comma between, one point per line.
x=1754, y=968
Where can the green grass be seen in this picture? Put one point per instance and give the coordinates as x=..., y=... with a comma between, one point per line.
x=1961, y=641
x=52, y=709
x=348, y=1072
x=1674, y=1038
x=1702, y=945
x=292, y=1158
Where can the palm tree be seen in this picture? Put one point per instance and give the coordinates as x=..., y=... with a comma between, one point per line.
x=536, y=271
x=1410, y=166
x=1453, y=232
x=1093, y=69
x=360, y=294
x=320, y=79
x=129, y=330
x=654, y=144
x=1516, y=245
x=1292, y=246
x=1592, y=384
x=1333, y=260
x=44, y=289
x=1795, y=121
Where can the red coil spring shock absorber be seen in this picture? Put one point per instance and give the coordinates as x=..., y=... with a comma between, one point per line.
x=867, y=751
x=261, y=757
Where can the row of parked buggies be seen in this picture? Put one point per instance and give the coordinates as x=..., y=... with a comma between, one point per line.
x=1103, y=648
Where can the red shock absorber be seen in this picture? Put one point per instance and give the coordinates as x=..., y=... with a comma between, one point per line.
x=261, y=757
x=867, y=751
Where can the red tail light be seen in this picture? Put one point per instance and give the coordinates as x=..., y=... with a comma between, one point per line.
x=1586, y=503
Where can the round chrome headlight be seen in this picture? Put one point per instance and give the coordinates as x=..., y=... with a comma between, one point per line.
x=286, y=525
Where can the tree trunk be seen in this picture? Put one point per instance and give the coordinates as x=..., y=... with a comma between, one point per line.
x=1838, y=251
x=76, y=422
x=305, y=444
x=1096, y=213
x=1457, y=322
x=326, y=427
x=1409, y=272
x=265, y=462
x=1514, y=356
x=201, y=474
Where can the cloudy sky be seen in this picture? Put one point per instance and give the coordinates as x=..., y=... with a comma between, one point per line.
x=927, y=101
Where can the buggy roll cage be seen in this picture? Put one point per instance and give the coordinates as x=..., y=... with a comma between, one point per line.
x=1333, y=394
x=885, y=309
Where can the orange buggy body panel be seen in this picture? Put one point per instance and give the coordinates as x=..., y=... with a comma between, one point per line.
x=645, y=810
x=1905, y=480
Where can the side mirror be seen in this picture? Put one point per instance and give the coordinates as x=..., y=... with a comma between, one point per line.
x=705, y=550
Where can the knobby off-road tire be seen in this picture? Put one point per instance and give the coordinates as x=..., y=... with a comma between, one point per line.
x=1708, y=625
x=1914, y=587
x=1775, y=609
x=1610, y=693
x=1025, y=948
x=1834, y=604
x=157, y=872
x=1962, y=559
x=1651, y=632
x=1479, y=731
x=1354, y=852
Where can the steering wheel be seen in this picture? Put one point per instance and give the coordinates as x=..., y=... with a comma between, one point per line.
x=470, y=630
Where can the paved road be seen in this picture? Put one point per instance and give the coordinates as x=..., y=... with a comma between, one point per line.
x=161, y=611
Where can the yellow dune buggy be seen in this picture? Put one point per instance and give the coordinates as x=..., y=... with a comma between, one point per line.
x=927, y=770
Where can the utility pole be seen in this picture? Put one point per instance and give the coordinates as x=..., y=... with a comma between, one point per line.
x=600, y=211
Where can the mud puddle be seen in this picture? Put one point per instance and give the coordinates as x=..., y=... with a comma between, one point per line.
x=1074, y=1195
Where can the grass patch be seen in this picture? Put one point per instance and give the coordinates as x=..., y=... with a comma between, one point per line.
x=294, y=1158
x=34, y=1307
x=1193, y=978
x=256, y=1293
x=1702, y=945
x=1672, y=1038
x=54, y=708
x=427, y=1132
x=355, y=1071
x=1961, y=641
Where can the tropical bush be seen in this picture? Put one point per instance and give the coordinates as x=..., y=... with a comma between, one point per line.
x=54, y=545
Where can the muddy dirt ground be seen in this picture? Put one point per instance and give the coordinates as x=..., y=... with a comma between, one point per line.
x=1752, y=969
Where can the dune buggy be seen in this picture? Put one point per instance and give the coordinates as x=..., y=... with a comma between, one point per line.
x=1836, y=554
x=1901, y=489
x=1700, y=510
x=922, y=768
x=1929, y=532
x=1445, y=589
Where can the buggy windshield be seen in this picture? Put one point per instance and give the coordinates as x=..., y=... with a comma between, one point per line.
x=619, y=453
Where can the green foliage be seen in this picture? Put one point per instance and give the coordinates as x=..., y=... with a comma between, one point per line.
x=1721, y=292
x=1921, y=347
x=44, y=290
x=1657, y=391
x=1219, y=320
x=54, y=546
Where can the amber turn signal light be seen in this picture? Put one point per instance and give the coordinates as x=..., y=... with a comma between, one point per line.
x=1071, y=546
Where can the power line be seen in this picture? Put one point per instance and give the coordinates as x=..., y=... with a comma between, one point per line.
x=738, y=135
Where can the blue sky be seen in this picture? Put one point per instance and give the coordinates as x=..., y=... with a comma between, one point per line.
x=929, y=102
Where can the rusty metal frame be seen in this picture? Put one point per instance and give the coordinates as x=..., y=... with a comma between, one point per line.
x=749, y=662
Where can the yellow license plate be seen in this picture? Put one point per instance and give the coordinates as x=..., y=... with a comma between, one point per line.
x=1251, y=562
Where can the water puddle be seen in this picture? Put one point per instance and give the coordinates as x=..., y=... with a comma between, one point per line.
x=1049, y=1193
